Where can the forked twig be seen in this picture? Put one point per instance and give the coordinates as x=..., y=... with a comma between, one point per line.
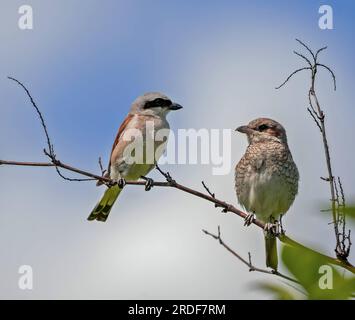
x=50, y=152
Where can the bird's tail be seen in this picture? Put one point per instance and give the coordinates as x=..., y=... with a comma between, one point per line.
x=103, y=208
x=271, y=251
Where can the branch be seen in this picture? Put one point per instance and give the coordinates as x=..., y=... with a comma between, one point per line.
x=173, y=184
x=247, y=263
x=341, y=249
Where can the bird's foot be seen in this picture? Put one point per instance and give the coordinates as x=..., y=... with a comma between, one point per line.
x=248, y=220
x=121, y=183
x=272, y=228
x=149, y=183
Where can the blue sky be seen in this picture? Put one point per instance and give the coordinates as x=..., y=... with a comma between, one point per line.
x=85, y=64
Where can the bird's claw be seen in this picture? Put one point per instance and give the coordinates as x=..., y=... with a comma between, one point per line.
x=149, y=183
x=121, y=183
x=272, y=228
x=248, y=220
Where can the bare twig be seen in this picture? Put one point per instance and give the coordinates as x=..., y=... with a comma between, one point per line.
x=331, y=72
x=291, y=75
x=307, y=48
x=311, y=107
x=248, y=262
x=303, y=57
x=166, y=175
x=50, y=152
x=318, y=115
x=319, y=51
x=49, y=144
x=341, y=192
x=315, y=119
x=103, y=171
x=208, y=190
x=225, y=209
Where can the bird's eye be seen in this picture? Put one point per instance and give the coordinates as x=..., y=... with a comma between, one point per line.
x=162, y=102
x=263, y=127
x=158, y=102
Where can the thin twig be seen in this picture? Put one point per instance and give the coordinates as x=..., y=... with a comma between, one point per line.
x=166, y=175
x=49, y=144
x=315, y=119
x=315, y=113
x=225, y=209
x=303, y=57
x=50, y=152
x=308, y=49
x=247, y=263
x=341, y=192
x=103, y=171
x=331, y=72
x=319, y=51
x=292, y=74
x=208, y=190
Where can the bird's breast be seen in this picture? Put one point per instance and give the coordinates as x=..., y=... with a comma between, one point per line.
x=269, y=190
x=138, y=155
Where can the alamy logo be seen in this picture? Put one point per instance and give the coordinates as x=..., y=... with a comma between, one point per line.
x=326, y=20
x=25, y=281
x=326, y=280
x=189, y=146
x=25, y=22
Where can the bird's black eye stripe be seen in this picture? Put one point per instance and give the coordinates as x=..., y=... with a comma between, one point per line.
x=158, y=102
x=263, y=127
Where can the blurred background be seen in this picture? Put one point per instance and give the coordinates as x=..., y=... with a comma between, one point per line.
x=84, y=63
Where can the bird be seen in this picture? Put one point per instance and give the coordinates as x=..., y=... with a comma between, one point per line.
x=266, y=179
x=148, y=110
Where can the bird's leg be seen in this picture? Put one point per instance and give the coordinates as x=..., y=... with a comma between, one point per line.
x=272, y=227
x=121, y=183
x=149, y=183
x=248, y=220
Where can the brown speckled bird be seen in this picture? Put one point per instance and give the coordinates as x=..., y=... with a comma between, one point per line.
x=266, y=178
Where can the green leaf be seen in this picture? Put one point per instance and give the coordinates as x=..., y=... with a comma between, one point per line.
x=348, y=210
x=280, y=292
x=319, y=279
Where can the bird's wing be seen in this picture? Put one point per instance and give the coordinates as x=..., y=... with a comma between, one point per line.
x=118, y=136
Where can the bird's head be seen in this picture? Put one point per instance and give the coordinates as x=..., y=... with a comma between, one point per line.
x=153, y=103
x=263, y=130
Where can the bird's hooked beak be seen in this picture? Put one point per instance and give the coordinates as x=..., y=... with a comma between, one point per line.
x=175, y=106
x=244, y=129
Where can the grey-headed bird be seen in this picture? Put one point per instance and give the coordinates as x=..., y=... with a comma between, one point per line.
x=149, y=109
x=266, y=179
